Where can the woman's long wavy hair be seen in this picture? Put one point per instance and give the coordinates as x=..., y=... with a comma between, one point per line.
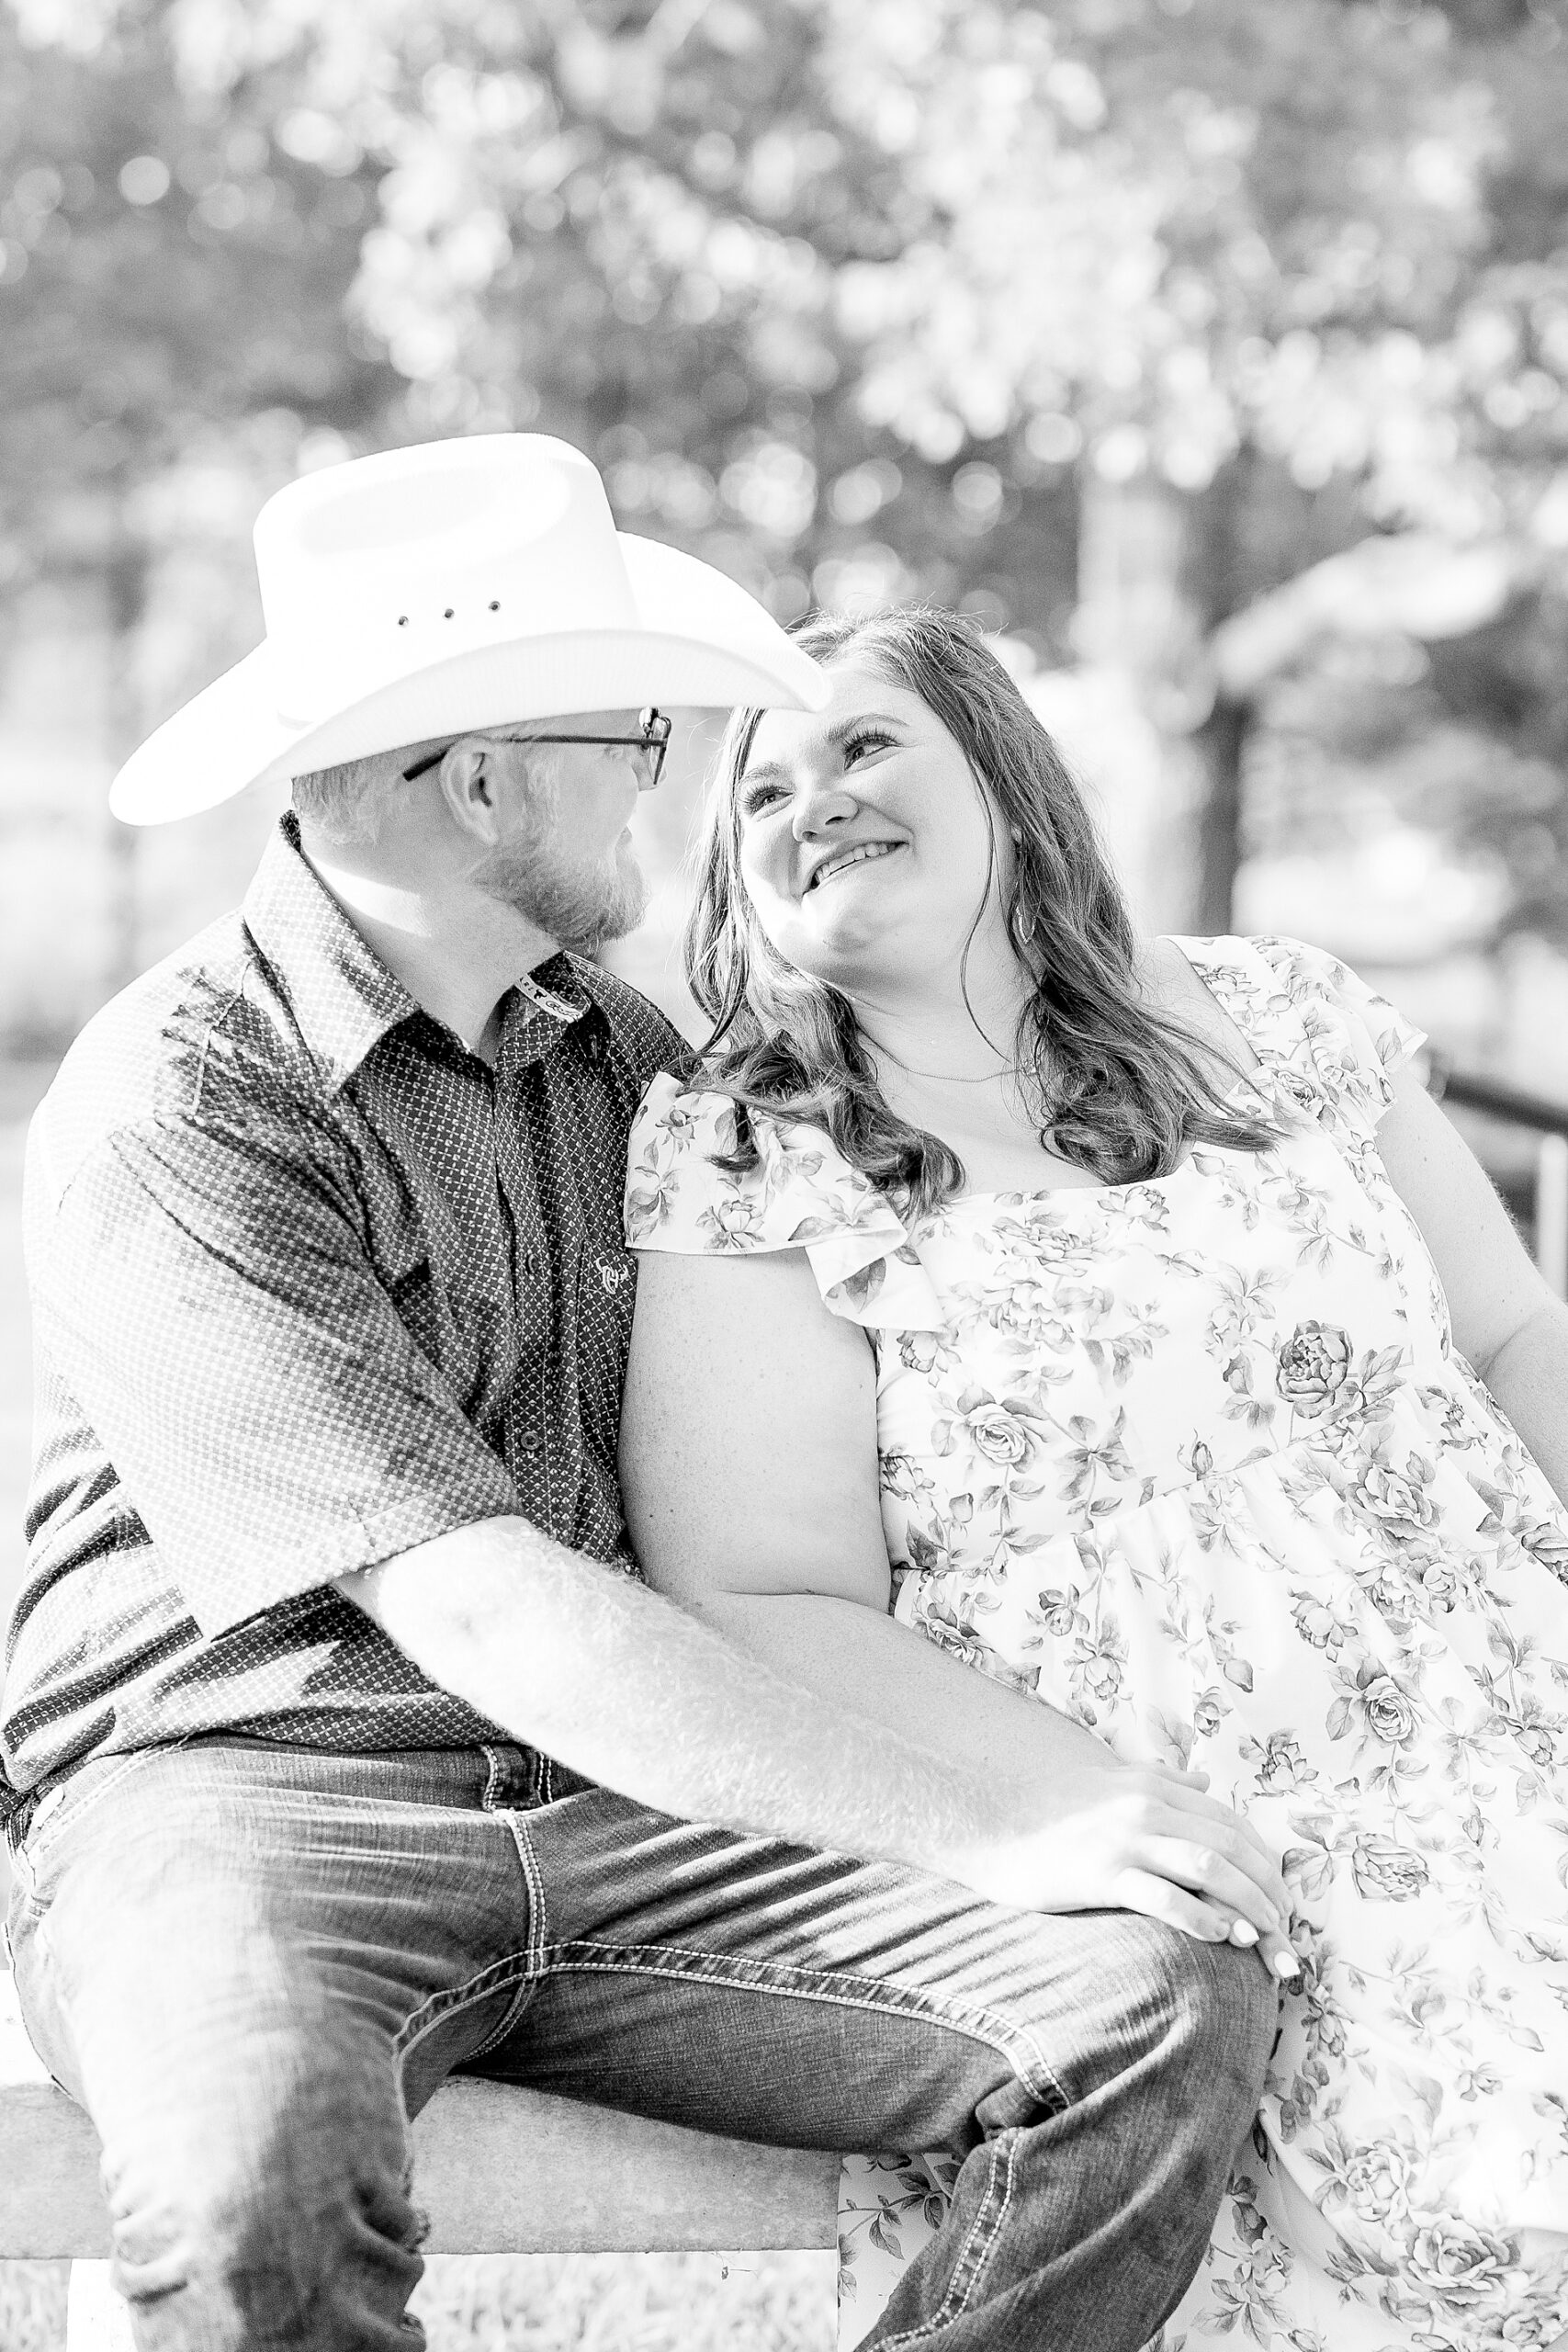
x=1121, y=1090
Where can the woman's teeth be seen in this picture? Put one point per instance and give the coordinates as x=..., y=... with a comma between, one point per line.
x=852, y=857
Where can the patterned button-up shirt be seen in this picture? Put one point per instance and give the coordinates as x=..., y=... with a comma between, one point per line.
x=313, y=1284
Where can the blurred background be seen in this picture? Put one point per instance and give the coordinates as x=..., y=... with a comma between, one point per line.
x=1213, y=357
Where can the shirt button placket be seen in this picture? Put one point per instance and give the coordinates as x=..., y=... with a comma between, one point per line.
x=526, y=1413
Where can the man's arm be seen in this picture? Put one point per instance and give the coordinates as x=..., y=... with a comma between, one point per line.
x=208, y=1299
x=749, y=1466
x=581, y=1661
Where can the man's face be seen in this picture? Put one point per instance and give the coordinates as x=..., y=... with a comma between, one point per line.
x=566, y=859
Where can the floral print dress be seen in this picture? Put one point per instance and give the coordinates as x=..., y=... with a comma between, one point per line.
x=1195, y=1460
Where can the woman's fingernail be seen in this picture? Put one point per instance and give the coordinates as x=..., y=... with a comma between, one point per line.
x=1286, y=1964
x=1243, y=1932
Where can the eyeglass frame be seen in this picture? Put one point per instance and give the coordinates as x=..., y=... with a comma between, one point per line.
x=650, y=740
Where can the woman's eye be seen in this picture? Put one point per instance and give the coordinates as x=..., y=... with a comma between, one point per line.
x=761, y=798
x=870, y=738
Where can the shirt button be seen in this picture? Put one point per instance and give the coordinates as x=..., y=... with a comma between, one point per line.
x=529, y=1441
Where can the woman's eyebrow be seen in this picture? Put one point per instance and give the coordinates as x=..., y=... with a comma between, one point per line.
x=773, y=771
x=842, y=733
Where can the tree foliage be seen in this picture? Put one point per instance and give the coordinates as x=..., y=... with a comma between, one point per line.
x=857, y=297
x=170, y=270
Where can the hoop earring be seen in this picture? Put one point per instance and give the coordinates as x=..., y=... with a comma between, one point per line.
x=1022, y=926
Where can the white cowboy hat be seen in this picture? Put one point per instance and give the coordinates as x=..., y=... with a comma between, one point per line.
x=458, y=584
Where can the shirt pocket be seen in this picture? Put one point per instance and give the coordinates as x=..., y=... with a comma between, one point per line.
x=453, y=1328
x=606, y=1295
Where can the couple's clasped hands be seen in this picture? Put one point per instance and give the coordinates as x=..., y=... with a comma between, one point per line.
x=1139, y=1838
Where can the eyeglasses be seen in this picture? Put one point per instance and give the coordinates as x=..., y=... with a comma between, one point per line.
x=653, y=741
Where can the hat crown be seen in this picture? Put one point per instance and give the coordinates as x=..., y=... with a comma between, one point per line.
x=415, y=595
x=372, y=569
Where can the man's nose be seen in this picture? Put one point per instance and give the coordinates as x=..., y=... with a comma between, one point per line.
x=638, y=758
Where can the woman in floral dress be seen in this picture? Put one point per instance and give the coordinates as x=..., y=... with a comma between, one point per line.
x=1126, y=1301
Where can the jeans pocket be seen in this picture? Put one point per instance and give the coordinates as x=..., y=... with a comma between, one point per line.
x=561, y=1780
x=24, y=1886
x=62, y=1808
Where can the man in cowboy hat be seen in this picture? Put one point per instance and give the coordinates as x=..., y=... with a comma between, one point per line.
x=344, y=1746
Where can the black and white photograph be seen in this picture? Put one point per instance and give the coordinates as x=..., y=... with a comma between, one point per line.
x=783, y=1175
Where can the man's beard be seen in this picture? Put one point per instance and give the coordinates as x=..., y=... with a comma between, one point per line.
x=582, y=908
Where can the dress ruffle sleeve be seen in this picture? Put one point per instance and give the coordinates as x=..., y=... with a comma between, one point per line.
x=801, y=1195
x=1328, y=1040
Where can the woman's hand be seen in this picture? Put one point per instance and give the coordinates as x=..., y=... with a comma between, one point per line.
x=1136, y=1837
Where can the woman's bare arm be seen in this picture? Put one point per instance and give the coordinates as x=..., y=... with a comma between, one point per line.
x=748, y=1467
x=1506, y=1320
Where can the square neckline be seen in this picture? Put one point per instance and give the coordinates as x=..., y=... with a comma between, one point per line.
x=1270, y=1068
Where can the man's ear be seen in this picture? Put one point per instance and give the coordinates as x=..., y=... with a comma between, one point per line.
x=463, y=779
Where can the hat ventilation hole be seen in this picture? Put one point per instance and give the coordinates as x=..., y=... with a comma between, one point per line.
x=447, y=613
x=402, y=620
x=495, y=603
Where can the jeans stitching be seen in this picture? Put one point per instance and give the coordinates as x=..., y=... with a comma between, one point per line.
x=538, y=1913
x=533, y=1969
x=527, y=1986
x=518, y=1969
x=838, y=1986
x=966, y=2269
x=975, y=2252
x=493, y=1776
x=978, y=2245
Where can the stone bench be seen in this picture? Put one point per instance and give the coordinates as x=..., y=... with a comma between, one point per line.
x=497, y=2171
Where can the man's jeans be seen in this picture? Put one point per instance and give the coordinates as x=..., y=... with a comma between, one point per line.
x=251, y=1964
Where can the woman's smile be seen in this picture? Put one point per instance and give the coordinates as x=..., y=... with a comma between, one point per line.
x=827, y=794
x=840, y=860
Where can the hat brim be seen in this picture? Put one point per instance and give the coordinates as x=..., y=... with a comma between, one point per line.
x=701, y=643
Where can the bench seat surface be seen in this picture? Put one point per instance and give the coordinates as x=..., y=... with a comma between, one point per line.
x=497, y=2170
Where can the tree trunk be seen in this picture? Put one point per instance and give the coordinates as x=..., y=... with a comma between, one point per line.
x=124, y=584
x=1221, y=744
x=1142, y=644
x=1216, y=581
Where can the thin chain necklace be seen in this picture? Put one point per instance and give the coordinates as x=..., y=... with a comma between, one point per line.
x=951, y=1078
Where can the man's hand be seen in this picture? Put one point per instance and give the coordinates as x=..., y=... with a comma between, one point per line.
x=1120, y=1838
x=583, y=1662
x=750, y=1470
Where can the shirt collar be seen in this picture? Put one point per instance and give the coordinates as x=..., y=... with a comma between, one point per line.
x=341, y=993
x=540, y=1010
x=554, y=986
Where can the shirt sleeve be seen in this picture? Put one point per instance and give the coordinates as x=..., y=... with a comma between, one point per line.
x=208, y=1299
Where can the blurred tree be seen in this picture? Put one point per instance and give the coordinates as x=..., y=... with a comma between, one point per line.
x=867, y=299
x=170, y=273
x=1507, y=685
x=1136, y=307
x=1289, y=273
